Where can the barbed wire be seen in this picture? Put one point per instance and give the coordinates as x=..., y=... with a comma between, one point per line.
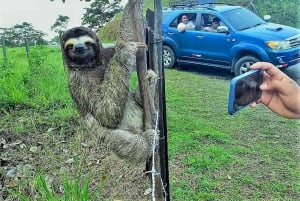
x=155, y=140
x=154, y=172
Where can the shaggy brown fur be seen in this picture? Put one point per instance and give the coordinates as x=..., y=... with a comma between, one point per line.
x=99, y=82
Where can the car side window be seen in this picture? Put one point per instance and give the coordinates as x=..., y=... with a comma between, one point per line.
x=210, y=22
x=174, y=23
x=190, y=16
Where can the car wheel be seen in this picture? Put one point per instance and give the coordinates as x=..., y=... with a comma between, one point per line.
x=243, y=64
x=168, y=57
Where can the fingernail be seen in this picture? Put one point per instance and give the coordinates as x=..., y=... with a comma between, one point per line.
x=263, y=86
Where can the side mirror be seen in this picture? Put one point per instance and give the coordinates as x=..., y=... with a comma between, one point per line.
x=267, y=18
x=222, y=29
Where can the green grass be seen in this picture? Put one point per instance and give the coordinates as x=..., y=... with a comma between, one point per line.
x=253, y=155
x=39, y=81
x=75, y=188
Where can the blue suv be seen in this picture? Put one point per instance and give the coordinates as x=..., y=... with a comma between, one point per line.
x=241, y=39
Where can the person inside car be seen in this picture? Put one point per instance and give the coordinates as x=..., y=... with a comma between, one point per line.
x=214, y=25
x=280, y=93
x=185, y=24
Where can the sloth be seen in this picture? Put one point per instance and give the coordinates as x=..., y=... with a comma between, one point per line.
x=99, y=84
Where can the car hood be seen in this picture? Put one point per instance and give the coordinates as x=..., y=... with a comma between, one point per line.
x=272, y=31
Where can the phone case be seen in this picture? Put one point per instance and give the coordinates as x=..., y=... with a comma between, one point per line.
x=244, y=89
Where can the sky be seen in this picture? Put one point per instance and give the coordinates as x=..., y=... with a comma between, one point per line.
x=42, y=14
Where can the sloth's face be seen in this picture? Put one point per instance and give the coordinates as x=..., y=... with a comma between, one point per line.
x=81, y=50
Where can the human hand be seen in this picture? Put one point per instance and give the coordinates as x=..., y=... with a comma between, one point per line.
x=280, y=93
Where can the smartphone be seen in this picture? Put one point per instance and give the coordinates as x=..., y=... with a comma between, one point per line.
x=244, y=89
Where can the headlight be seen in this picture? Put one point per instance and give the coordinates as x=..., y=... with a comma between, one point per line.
x=278, y=45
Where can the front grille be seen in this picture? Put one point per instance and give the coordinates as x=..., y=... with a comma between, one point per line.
x=294, y=41
x=295, y=56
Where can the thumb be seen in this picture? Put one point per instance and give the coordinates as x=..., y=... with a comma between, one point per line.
x=273, y=85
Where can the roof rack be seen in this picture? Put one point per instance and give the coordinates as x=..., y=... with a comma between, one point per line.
x=189, y=3
x=193, y=3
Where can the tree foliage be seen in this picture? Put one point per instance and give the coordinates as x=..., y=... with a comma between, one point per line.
x=60, y=24
x=100, y=12
x=20, y=33
x=282, y=11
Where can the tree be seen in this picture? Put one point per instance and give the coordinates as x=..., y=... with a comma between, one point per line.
x=55, y=40
x=100, y=12
x=60, y=25
x=23, y=33
x=26, y=32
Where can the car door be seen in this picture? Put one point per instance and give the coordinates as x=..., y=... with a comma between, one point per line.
x=182, y=39
x=209, y=47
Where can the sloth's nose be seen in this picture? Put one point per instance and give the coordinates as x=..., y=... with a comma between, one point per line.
x=79, y=48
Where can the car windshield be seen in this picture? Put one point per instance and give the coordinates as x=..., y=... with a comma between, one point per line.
x=242, y=18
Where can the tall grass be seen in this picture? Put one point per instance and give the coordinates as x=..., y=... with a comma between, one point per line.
x=38, y=81
x=72, y=188
x=14, y=74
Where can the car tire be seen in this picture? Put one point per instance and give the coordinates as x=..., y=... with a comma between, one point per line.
x=168, y=57
x=243, y=64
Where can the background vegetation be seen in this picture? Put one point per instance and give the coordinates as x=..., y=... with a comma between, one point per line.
x=101, y=15
x=282, y=11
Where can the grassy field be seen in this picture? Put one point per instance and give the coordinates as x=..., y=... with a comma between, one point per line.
x=253, y=155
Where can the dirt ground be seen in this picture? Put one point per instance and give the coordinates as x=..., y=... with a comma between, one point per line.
x=56, y=149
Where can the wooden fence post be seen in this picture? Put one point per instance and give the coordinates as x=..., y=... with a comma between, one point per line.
x=154, y=42
x=27, y=47
x=3, y=47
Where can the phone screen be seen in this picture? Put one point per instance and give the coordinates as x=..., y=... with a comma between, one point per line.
x=244, y=89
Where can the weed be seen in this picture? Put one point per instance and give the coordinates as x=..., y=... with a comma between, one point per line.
x=75, y=188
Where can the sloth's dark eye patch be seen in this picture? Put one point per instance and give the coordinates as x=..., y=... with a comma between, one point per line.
x=69, y=47
x=88, y=43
